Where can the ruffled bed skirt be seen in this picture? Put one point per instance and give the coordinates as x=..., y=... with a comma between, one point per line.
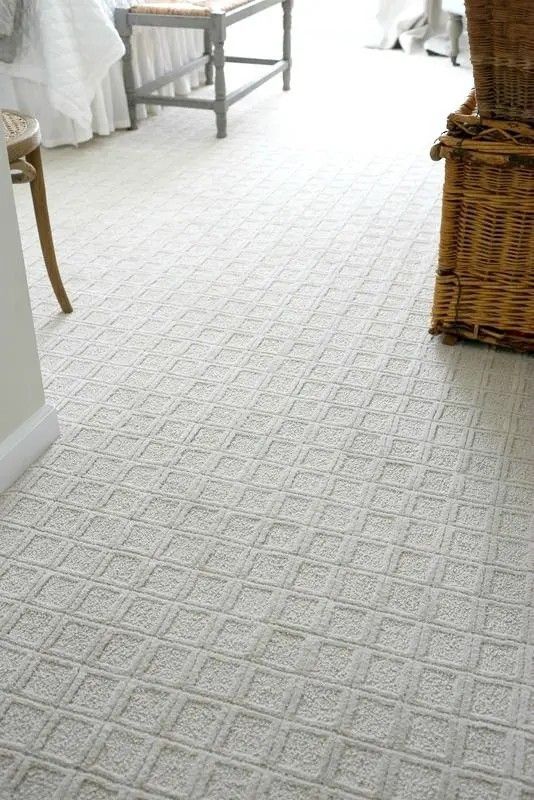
x=156, y=51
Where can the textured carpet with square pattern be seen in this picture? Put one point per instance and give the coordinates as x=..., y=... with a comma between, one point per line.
x=281, y=551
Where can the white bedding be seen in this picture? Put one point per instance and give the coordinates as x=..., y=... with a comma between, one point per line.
x=68, y=70
x=414, y=24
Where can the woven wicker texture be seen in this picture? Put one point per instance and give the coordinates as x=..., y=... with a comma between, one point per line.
x=15, y=125
x=485, y=283
x=501, y=35
x=183, y=8
x=21, y=132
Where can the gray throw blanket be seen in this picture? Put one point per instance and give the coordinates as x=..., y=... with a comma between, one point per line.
x=10, y=28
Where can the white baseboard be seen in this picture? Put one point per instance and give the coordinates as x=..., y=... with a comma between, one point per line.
x=26, y=444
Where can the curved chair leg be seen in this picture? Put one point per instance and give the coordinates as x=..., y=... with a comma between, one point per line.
x=40, y=206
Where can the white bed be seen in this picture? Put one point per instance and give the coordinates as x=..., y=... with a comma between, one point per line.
x=68, y=71
x=415, y=24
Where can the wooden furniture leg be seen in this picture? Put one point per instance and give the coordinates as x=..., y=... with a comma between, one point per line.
x=287, y=6
x=40, y=206
x=208, y=51
x=456, y=26
x=125, y=32
x=219, y=60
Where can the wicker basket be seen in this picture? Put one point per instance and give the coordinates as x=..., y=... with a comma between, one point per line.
x=485, y=281
x=501, y=36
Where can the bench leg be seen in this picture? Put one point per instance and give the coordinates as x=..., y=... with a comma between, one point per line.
x=456, y=27
x=208, y=51
x=287, y=6
x=125, y=32
x=219, y=38
x=45, y=233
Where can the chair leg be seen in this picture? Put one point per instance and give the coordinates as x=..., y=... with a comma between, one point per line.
x=40, y=206
x=125, y=32
x=208, y=51
x=219, y=38
x=287, y=6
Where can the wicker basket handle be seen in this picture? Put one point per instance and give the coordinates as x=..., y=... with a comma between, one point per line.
x=465, y=113
x=470, y=105
x=435, y=151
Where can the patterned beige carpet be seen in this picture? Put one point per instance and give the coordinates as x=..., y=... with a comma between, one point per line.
x=281, y=551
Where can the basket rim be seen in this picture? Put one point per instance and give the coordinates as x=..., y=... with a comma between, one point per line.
x=472, y=136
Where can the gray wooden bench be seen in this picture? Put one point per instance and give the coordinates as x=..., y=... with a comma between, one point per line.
x=213, y=18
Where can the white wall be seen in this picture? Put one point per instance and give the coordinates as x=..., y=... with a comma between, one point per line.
x=27, y=425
